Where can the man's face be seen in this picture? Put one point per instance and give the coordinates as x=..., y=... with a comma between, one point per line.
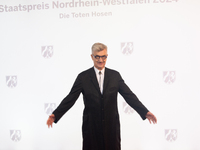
x=99, y=63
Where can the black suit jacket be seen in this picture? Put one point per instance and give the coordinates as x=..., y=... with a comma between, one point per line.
x=101, y=126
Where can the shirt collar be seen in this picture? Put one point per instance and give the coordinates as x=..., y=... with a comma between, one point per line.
x=97, y=70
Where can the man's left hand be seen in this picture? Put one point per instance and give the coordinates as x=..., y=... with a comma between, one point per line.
x=151, y=117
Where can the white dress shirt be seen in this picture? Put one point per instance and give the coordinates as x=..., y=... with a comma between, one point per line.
x=98, y=77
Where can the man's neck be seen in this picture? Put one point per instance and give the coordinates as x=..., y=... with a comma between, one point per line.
x=99, y=69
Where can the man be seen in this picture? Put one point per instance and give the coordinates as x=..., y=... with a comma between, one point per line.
x=100, y=86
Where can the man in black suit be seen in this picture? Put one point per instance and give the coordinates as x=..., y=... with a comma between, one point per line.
x=100, y=86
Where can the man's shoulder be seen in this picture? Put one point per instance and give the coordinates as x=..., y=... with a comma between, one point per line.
x=111, y=70
x=88, y=71
x=91, y=70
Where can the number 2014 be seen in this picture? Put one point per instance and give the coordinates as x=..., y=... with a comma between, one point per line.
x=164, y=1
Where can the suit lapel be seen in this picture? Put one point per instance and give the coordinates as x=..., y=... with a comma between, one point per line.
x=106, y=80
x=95, y=82
x=94, y=79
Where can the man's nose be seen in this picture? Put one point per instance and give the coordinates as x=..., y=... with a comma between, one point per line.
x=101, y=59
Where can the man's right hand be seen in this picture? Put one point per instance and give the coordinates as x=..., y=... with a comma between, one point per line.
x=50, y=120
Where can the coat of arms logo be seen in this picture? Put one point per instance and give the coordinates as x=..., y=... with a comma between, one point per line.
x=169, y=77
x=171, y=135
x=47, y=51
x=11, y=81
x=127, y=109
x=127, y=48
x=15, y=135
x=49, y=108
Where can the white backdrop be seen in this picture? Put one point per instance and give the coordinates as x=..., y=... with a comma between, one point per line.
x=154, y=44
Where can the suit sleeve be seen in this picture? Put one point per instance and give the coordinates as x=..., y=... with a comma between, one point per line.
x=132, y=99
x=69, y=100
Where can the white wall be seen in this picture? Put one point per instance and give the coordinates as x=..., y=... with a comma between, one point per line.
x=41, y=53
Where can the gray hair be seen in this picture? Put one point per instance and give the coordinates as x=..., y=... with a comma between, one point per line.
x=98, y=47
